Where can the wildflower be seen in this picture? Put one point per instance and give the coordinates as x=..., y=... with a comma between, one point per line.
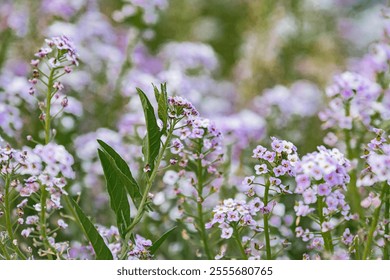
x=62, y=224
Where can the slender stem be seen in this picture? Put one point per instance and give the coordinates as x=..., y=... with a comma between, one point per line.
x=201, y=224
x=8, y=221
x=4, y=250
x=236, y=237
x=202, y=231
x=44, y=192
x=42, y=225
x=374, y=223
x=48, y=106
x=7, y=34
x=327, y=236
x=126, y=65
x=387, y=214
x=352, y=191
x=266, y=224
x=149, y=183
x=356, y=247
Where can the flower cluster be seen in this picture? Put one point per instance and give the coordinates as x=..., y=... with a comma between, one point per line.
x=53, y=61
x=354, y=98
x=302, y=99
x=49, y=165
x=196, y=139
x=274, y=164
x=139, y=249
x=323, y=175
x=378, y=159
x=28, y=173
x=321, y=181
x=60, y=52
x=232, y=214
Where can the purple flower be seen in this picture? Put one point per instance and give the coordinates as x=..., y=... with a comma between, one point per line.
x=323, y=189
x=347, y=237
x=269, y=156
x=232, y=216
x=303, y=182
x=279, y=171
x=259, y=152
x=227, y=231
x=302, y=209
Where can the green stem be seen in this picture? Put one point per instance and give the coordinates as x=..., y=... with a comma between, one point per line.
x=374, y=224
x=8, y=221
x=266, y=224
x=48, y=106
x=356, y=247
x=4, y=250
x=5, y=40
x=387, y=214
x=44, y=192
x=352, y=190
x=149, y=183
x=327, y=236
x=201, y=224
x=202, y=231
x=43, y=228
x=239, y=244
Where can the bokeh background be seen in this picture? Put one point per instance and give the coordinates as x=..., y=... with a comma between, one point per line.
x=256, y=67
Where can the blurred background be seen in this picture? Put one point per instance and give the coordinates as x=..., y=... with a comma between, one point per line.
x=257, y=68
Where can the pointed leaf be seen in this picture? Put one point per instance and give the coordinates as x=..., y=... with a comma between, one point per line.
x=153, y=135
x=116, y=182
x=99, y=246
x=163, y=108
x=160, y=241
x=131, y=185
x=156, y=92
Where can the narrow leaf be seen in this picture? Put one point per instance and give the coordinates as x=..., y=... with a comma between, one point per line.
x=153, y=131
x=163, y=108
x=153, y=249
x=131, y=184
x=99, y=246
x=156, y=92
x=116, y=182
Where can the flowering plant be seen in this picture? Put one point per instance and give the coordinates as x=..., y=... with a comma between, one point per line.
x=119, y=144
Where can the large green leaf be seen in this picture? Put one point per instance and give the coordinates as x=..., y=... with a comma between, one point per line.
x=153, y=136
x=153, y=249
x=101, y=250
x=131, y=184
x=116, y=182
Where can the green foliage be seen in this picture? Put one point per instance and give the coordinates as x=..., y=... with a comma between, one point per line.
x=162, y=100
x=116, y=182
x=101, y=250
x=153, y=136
x=131, y=184
x=153, y=249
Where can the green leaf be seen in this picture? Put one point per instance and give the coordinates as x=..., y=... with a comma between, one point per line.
x=156, y=92
x=116, y=182
x=160, y=241
x=99, y=246
x=153, y=136
x=163, y=107
x=131, y=184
